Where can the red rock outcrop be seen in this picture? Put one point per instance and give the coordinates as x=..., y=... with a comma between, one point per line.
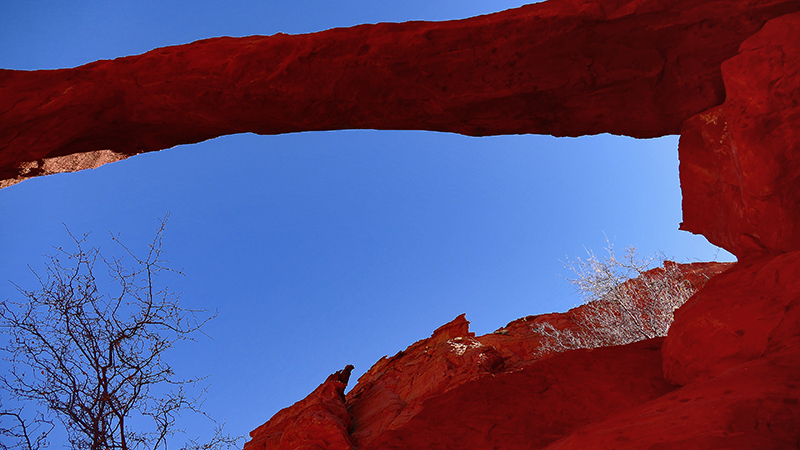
x=504, y=388
x=732, y=319
x=318, y=422
x=750, y=406
x=735, y=348
x=562, y=67
x=533, y=406
x=739, y=161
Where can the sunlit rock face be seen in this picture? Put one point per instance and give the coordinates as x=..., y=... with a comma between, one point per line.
x=506, y=389
x=725, y=74
x=725, y=377
x=320, y=421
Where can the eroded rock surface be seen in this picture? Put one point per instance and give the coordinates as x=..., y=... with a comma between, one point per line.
x=739, y=161
x=318, y=422
x=562, y=67
x=535, y=405
x=752, y=405
x=507, y=389
x=732, y=319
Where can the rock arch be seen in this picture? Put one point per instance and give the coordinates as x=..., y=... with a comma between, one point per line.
x=724, y=74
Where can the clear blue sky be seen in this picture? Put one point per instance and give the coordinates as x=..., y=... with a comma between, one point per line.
x=326, y=249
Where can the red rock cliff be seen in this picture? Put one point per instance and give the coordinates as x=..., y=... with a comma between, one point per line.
x=726, y=375
x=731, y=385
x=739, y=164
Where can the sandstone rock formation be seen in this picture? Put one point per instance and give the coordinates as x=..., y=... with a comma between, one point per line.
x=739, y=169
x=456, y=390
x=321, y=420
x=731, y=360
x=725, y=74
x=565, y=67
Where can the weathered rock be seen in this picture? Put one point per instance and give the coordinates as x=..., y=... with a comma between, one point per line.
x=726, y=73
x=318, y=422
x=732, y=319
x=562, y=67
x=735, y=346
x=458, y=391
x=504, y=381
x=750, y=406
x=739, y=161
x=531, y=407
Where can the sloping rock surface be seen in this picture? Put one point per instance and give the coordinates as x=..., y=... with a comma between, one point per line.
x=319, y=421
x=506, y=389
x=535, y=405
x=753, y=405
x=734, y=319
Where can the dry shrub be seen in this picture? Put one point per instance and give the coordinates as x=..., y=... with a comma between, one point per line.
x=626, y=299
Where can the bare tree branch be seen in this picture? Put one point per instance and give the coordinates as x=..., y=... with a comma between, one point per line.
x=95, y=360
x=18, y=433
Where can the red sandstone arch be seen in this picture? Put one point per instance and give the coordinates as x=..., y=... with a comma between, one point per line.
x=566, y=68
x=725, y=74
x=563, y=67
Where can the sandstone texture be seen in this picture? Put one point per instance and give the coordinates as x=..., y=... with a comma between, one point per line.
x=725, y=74
x=533, y=406
x=726, y=376
x=750, y=406
x=562, y=67
x=505, y=389
x=734, y=319
x=739, y=164
x=320, y=421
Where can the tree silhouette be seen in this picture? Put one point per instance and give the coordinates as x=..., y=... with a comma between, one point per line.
x=95, y=360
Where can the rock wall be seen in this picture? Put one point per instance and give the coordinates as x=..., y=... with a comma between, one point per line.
x=725, y=377
x=739, y=161
x=722, y=73
x=507, y=389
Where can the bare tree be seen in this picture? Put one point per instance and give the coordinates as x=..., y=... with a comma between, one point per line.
x=95, y=360
x=626, y=299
